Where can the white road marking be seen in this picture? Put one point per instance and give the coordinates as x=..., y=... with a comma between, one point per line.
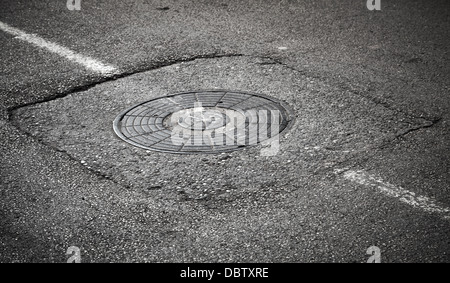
x=425, y=203
x=86, y=61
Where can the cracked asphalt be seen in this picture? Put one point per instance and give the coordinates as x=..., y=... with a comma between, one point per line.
x=369, y=91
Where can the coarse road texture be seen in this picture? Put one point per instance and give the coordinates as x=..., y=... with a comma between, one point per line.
x=365, y=162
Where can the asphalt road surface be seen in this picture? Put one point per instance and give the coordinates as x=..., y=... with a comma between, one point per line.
x=365, y=161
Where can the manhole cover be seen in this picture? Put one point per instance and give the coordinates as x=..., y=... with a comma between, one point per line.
x=209, y=121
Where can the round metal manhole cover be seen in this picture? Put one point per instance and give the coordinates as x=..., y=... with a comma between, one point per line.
x=211, y=121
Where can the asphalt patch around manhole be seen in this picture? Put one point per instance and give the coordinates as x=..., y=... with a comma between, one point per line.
x=331, y=124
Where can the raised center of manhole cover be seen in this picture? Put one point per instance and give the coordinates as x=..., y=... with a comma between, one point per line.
x=210, y=121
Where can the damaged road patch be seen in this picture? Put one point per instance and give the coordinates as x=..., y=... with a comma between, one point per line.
x=331, y=124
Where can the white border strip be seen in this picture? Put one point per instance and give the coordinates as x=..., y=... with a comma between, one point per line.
x=425, y=203
x=87, y=62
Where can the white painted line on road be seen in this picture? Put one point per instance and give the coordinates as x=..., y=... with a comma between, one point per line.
x=425, y=203
x=87, y=62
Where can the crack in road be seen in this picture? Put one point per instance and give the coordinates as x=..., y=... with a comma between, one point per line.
x=273, y=61
x=114, y=77
x=350, y=87
x=377, y=145
x=429, y=124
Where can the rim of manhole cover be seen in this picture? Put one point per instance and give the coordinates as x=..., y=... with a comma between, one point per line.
x=203, y=121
